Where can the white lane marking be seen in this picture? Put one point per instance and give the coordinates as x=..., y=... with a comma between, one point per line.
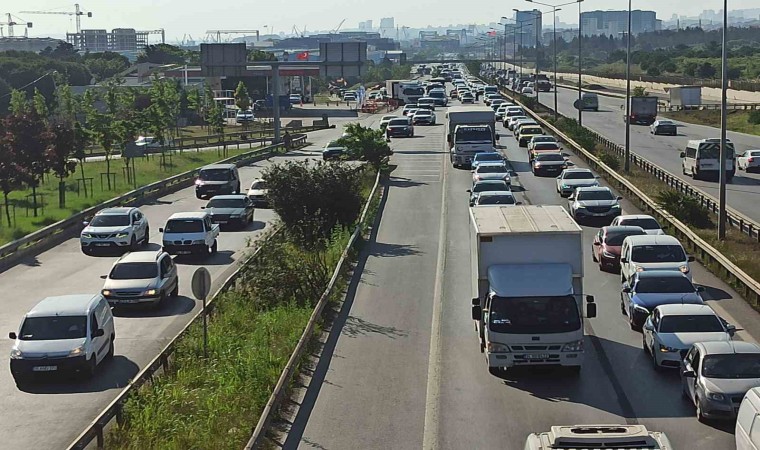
x=432, y=394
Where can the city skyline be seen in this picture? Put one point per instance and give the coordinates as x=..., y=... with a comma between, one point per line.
x=313, y=17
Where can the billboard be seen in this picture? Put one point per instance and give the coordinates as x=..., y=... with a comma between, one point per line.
x=343, y=59
x=223, y=60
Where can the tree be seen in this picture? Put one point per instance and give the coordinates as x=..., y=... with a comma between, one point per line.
x=19, y=104
x=366, y=144
x=59, y=153
x=312, y=200
x=639, y=91
x=653, y=71
x=10, y=172
x=706, y=70
x=163, y=54
x=40, y=105
x=242, y=100
x=29, y=140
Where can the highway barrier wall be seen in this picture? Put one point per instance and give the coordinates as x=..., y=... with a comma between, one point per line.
x=34, y=243
x=748, y=287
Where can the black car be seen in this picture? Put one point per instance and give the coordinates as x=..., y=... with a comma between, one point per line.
x=664, y=127
x=216, y=179
x=399, y=127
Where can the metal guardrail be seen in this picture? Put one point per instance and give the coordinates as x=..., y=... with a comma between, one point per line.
x=259, y=433
x=39, y=239
x=748, y=287
x=710, y=107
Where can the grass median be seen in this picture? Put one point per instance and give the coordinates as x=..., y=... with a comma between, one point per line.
x=147, y=170
x=215, y=402
x=736, y=120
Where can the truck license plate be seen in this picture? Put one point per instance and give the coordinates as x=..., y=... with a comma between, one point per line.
x=44, y=368
x=537, y=356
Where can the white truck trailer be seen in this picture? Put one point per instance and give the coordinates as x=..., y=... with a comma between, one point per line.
x=527, y=282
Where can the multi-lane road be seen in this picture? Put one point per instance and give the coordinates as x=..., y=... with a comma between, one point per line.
x=402, y=368
x=742, y=193
x=51, y=415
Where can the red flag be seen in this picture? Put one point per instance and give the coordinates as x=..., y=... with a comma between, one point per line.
x=303, y=56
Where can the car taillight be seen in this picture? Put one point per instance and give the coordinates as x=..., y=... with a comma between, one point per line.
x=750, y=159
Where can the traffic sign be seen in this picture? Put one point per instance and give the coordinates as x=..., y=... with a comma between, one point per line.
x=201, y=283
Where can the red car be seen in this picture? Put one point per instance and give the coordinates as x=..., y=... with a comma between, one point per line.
x=606, y=247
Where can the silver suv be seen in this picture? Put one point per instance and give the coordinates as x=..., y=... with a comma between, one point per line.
x=115, y=229
x=141, y=278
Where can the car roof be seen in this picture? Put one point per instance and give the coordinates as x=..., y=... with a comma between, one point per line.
x=634, y=216
x=491, y=164
x=622, y=228
x=576, y=169
x=479, y=182
x=229, y=197
x=728, y=347
x=592, y=189
x=496, y=193
x=65, y=305
x=145, y=256
x=188, y=215
x=119, y=210
x=660, y=273
x=219, y=166
x=662, y=239
x=678, y=309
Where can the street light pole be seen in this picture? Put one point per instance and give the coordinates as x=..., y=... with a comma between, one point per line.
x=627, y=162
x=580, y=66
x=723, y=110
x=554, y=18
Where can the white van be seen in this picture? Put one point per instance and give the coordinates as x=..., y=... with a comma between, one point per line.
x=748, y=421
x=701, y=159
x=647, y=252
x=66, y=334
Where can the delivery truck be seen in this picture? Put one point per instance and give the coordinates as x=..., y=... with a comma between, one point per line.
x=527, y=285
x=643, y=110
x=404, y=91
x=469, y=130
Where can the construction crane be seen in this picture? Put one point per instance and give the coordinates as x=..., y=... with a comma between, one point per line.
x=210, y=34
x=77, y=13
x=11, y=23
x=158, y=31
x=335, y=31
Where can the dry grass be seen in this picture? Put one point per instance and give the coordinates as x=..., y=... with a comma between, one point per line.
x=737, y=120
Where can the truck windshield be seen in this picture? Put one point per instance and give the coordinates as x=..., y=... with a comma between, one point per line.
x=414, y=91
x=526, y=315
x=473, y=134
x=53, y=328
x=184, y=226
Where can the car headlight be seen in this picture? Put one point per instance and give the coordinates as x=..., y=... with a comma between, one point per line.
x=106, y=292
x=165, y=243
x=684, y=269
x=640, y=309
x=716, y=396
x=564, y=186
x=575, y=346
x=615, y=206
x=16, y=354
x=607, y=254
x=497, y=348
x=666, y=349
x=235, y=216
x=639, y=269
x=198, y=242
x=150, y=292
x=121, y=235
x=77, y=351
x=87, y=235
x=199, y=182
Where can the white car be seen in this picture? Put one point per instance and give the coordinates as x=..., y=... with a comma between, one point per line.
x=570, y=179
x=244, y=116
x=648, y=223
x=384, y=121
x=749, y=161
x=527, y=90
x=644, y=252
x=121, y=229
x=491, y=171
x=670, y=331
x=496, y=198
x=258, y=192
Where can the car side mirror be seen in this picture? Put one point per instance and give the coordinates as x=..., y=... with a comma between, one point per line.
x=160, y=230
x=518, y=203
x=85, y=223
x=448, y=138
x=700, y=289
x=571, y=198
x=731, y=329
x=619, y=197
x=12, y=335
x=103, y=277
x=477, y=311
x=688, y=373
x=682, y=155
x=627, y=289
x=596, y=244
x=623, y=260
x=469, y=190
x=99, y=332
x=203, y=207
x=648, y=326
x=691, y=258
x=590, y=310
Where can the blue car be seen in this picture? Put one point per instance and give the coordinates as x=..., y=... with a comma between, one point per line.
x=651, y=288
x=486, y=157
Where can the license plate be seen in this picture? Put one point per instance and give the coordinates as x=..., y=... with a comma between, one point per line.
x=221, y=221
x=539, y=356
x=44, y=368
x=124, y=301
x=102, y=244
x=599, y=214
x=183, y=252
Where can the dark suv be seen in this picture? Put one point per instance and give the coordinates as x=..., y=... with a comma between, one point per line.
x=217, y=179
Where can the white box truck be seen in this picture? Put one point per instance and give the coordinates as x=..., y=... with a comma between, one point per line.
x=685, y=97
x=469, y=131
x=527, y=282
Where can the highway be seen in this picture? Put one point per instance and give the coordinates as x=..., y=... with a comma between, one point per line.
x=401, y=367
x=741, y=193
x=51, y=415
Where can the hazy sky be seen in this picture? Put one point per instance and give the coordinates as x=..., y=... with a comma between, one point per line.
x=194, y=17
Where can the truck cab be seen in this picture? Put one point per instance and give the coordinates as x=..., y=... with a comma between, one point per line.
x=521, y=322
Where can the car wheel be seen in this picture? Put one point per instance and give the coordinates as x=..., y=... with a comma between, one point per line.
x=133, y=244
x=495, y=371
x=700, y=415
x=146, y=238
x=111, y=349
x=214, y=247
x=593, y=255
x=175, y=291
x=91, y=367
x=657, y=367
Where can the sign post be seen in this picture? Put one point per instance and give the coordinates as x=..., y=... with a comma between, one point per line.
x=201, y=285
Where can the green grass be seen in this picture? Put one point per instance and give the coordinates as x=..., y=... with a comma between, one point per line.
x=214, y=403
x=737, y=120
x=147, y=171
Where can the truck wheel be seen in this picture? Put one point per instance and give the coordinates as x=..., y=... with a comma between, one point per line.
x=213, y=247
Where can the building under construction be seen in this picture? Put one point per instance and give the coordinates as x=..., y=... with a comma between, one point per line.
x=118, y=40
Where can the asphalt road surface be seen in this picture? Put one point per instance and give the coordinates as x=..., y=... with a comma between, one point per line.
x=51, y=415
x=742, y=193
x=405, y=372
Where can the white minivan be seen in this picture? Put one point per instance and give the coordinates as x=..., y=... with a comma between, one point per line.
x=647, y=252
x=748, y=421
x=65, y=334
x=701, y=159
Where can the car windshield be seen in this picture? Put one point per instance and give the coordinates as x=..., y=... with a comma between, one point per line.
x=537, y=139
x=550, y=157
x=496, y=200
x=398, y=122
x=664, y=122
x=594, y=195
x=496, y=168
x=658, y=253
x=214, y=175
x=333, y=144
x=645, y=223
x=259, y=185
x=133, y=271
x=732, y=365
x=184, y=226
x=580, y=175
x=525, y=315
x=437, y=94
x=530, y=130
x=690, y=324
x=387, y=118
x=423, y=112
x=480, y=157
x=110, y=220
x=664, y=285
x=615, y=238
x=473, y=134
x=53, y=328
x=490, y=186
x=226, y=203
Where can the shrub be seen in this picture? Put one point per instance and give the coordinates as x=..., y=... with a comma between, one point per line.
x=612, y=161
x=754, y=117
x=684, y=208
x=366, y=144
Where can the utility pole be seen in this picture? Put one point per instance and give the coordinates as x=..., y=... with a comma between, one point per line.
x=627, y=163
x=580, y=66
x=723, y=110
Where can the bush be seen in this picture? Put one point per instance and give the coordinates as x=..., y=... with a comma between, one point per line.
x=684, y=208
x=583, y=136
x=366, y=144
x=754, y=117
x=612, y=161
